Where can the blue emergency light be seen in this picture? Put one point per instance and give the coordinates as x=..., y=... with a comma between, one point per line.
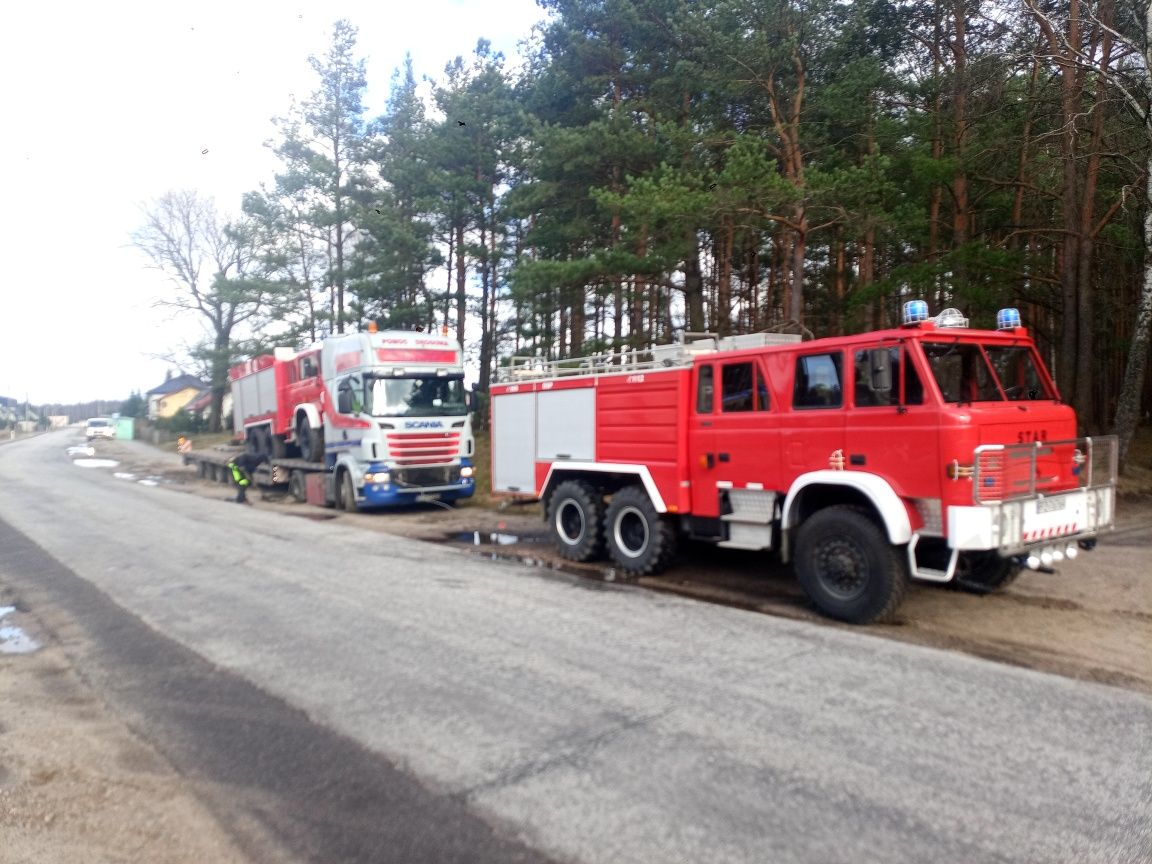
x=915, y=311
x=1006, y=319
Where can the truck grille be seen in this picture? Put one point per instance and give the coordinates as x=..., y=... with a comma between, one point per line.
x=425, y=477
x=423, y=448
x=1008, y=472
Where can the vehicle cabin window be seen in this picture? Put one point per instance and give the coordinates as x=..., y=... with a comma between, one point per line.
x=743, y=388
x=902, y=368
x=961, y=372
x=817, y=383
x=704, y=389
x=307, y=368
x=1016, y=369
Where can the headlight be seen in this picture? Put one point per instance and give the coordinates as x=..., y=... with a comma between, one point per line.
x=378, y=477
x=466, y=471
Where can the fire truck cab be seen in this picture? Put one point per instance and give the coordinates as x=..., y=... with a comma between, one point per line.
x=929, y=451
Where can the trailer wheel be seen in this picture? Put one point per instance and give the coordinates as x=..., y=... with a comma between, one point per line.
x=985, y=572
x=640, y=540
x=309, y=440
x=345, y=493
x=575, y=514
x=298, y=486
x=848, y=568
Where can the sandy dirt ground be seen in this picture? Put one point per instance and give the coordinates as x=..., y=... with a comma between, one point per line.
x=77, y=785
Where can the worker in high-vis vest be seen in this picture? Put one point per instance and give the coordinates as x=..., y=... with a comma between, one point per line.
x=242, y=467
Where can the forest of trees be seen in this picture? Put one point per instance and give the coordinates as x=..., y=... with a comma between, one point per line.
x=650, y=167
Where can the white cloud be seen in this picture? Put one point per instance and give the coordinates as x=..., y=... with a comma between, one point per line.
x=110, y=105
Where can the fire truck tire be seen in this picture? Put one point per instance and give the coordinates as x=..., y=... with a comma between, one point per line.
x=985, y=572
x=848, y=568
x=575, y=517
x=640, y=540
x=309, y=440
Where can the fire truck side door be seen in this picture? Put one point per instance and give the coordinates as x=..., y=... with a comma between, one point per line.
x=814, y=428
x=741, y=447
x=892, y=432
x=701, y=443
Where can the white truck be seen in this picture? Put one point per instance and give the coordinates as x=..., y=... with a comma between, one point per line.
x=360, y=420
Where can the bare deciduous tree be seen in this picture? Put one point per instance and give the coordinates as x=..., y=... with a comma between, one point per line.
x=215, y=268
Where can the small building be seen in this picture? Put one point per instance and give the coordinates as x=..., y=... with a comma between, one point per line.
x=175, y=393
x=201, y=406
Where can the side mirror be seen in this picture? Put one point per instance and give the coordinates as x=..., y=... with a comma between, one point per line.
x=880, y=364
x=344, y=401
x=469, y=401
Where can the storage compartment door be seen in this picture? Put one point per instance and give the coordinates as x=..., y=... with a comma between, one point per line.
x=514, y=443
x=566, y=420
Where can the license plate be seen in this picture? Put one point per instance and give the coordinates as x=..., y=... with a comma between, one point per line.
x=1050, y=505
x=427, y=497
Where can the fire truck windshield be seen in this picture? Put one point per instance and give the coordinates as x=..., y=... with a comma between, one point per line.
x=965, y=373
x=422, y=396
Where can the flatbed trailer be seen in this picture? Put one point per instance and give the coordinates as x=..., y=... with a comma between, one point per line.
x=308, y=482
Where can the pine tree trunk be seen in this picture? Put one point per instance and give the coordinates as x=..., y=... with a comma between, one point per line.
x=461, y=284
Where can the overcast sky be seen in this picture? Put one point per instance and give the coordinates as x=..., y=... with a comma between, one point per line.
x=109, y=105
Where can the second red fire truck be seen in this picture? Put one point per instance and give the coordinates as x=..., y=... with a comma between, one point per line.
x=928, y=451
x=362, y=420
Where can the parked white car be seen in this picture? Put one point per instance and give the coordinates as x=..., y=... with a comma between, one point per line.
x=100, y=427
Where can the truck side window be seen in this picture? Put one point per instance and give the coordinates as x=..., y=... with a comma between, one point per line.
x=743, y=388
x=307, y=368
x=901, y=366
x=737, y=381
x=704, y=389
x=817, y=383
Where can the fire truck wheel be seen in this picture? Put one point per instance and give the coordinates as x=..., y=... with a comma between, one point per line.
x=309, y=440
x=575, y=515
x=848, y=568
x=640, y=540
x=985, y=572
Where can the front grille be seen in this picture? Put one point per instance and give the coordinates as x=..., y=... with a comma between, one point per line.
x=1009, y=472
x=424, y=476
x=422, y=448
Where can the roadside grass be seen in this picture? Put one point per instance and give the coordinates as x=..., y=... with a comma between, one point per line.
x=482, y=464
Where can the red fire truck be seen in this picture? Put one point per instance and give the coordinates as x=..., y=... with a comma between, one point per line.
x=362, y=420
x=931, y=451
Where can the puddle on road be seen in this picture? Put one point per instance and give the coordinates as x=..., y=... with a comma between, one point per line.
x=81, y=451
x=490, y=538
x=13, y=640
x=150, y=480
x=95, y=463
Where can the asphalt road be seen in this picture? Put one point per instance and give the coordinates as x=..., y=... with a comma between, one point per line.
x=358, y=697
